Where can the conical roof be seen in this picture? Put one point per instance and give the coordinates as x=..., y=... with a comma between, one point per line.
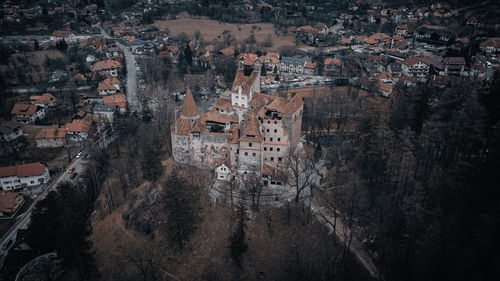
x=189, y=108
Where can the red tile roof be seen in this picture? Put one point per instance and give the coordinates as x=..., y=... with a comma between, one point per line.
x=51, y=133
x=24, y=109
x=43, y=99
x=7, y=200
x=245, y=82
x=106, y=64
x=189, y=108
x=79, y=126
x=119, y=100
x=23, y=170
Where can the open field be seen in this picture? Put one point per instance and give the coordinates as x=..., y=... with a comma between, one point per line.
x=29, y=68
x=212, y=30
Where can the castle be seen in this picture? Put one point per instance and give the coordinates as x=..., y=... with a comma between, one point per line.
x=248, y=133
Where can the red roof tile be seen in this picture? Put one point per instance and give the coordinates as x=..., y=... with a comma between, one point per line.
x=23, y=170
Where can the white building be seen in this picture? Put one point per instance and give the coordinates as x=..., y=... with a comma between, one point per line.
x=23, y=175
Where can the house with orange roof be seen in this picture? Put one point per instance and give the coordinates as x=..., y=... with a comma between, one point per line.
x=415, y=67
x=27, y=113
x=332, y=66
x=50, y=137
x=45, y=101
x=109, y=86
x=384, y=89
x=311, y=68
x=107, y=67
x=10, y=203
x=491, y=46
x=66, y=35
x=23, y=175
x=78, y=130
x=119, y=101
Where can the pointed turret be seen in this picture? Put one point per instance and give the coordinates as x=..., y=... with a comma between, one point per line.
x=189, y=108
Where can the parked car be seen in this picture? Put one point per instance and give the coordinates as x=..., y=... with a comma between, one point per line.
x=71, y=170
x=73, y=175
x=79, y=155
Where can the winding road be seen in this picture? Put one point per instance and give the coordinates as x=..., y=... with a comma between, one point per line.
x=132, y=93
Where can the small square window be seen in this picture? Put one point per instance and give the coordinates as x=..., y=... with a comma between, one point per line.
x=278, y=149
x=265, y=148
x=267, y=130
x=271, y=139
x=272, y=158
x=280, y=159
x=270, y=149
x=279, y=139
x=268, y=122
x=250, y=144
x=246, y=153
x=275, y=130
x=275, y=122
x=253, y=154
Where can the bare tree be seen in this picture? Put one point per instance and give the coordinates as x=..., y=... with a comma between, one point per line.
x=302, y=171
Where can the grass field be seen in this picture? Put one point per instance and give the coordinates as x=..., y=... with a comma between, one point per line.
x=211, y=30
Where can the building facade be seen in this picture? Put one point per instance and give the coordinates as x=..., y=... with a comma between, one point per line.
x=23, y=175
x=242, y=135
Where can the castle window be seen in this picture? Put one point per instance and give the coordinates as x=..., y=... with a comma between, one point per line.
x=246, y=153
x=279, y=139
x=270, y=149
x=271, y=139
x=265, y=148
x=267, y=130
x=250, y=144
x=268, y=122
x=272, y=158
x=253, y=154
x=275, y=122
x=275, y=130
x=278, y=149
x=280, y=159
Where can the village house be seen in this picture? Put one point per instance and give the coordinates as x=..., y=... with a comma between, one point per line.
x=119, y=101
x=10, y=202
x=78, y=130
x=27, y=113
x=50, y=137
x=66, y=35
x=415, y=66
x=311, y=68
x=107, y=67
x=10, y=131
x=433, y=34
x=491, y=46
x=45, y=101
x=109, y=86
x=271, y=62
x=293, y=65
x=23, y=175
x=332, y=66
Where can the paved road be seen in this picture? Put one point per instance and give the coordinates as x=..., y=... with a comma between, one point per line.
x=132, y=93
x=22, y=223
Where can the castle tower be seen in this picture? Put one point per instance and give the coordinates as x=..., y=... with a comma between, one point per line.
x=190, y=111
